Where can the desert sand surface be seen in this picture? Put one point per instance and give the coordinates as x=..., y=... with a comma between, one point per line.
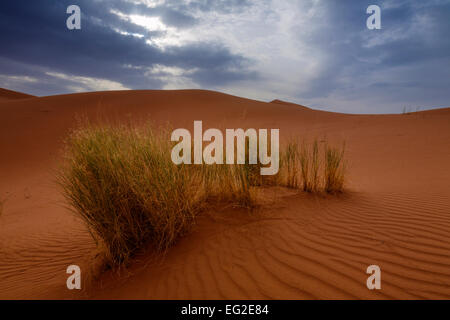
x=395, y=212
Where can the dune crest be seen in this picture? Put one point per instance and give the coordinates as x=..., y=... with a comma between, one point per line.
x=6, y=94
x=286, y=103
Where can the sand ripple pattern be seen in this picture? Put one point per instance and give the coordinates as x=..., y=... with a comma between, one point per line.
x=33, y=263
x=308, y=248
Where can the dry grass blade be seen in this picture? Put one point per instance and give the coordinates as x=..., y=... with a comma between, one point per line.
x=334, y=169
x=291, y=165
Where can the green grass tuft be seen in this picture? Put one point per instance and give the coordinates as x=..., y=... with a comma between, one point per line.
x=334, y=169
x=124, y=185
x=122, y=182
x=311, y=169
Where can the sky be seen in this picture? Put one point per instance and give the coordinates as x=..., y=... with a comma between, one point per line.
x=317, y=53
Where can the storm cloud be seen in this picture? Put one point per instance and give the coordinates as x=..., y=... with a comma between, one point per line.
x=317, y=53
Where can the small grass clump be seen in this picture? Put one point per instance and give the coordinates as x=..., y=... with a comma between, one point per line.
x=309, y=162
x=122, y=182
x=311, y=169
x=291, y=165
x=124, y=185
x=334, y=169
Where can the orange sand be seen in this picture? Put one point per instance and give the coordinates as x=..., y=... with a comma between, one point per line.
x=396, y=212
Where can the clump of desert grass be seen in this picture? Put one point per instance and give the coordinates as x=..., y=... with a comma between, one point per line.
x=334, y=171
x=312, y=169
x=122, y=182
x=309, y=163
x=291, y=165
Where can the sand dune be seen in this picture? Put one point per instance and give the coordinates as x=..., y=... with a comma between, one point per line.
x=395, y=213
x=6, y=94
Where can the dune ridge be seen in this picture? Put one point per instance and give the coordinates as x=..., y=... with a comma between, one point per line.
x=295, y=246
x=6, y=94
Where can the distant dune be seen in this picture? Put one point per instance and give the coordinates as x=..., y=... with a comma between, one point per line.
x=288, y=103
x=395, y=213
x=6, y=94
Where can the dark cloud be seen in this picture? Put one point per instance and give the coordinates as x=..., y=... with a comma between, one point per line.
x=411, y=52
x=37, y=38
x=343, y=65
